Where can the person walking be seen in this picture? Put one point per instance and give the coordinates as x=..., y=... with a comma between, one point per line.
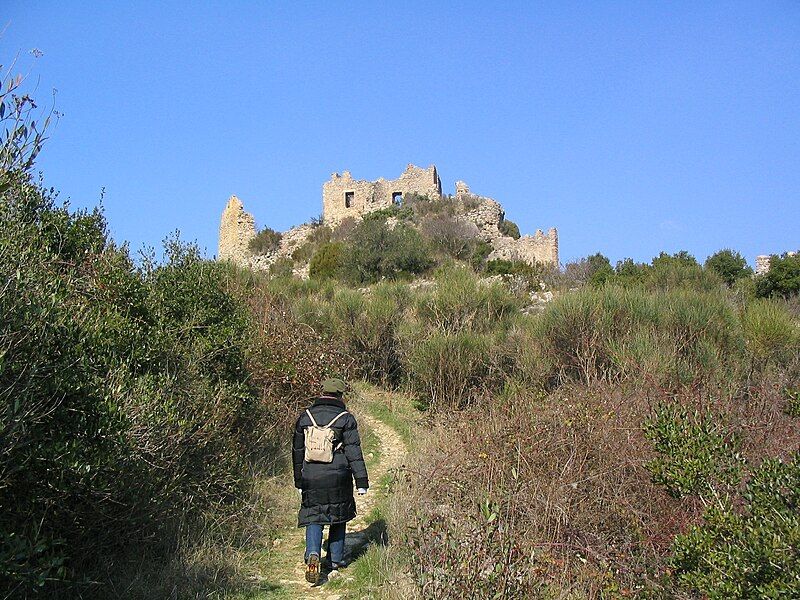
x=327, y=458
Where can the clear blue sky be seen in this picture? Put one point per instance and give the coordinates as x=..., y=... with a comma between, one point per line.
x=632, y=127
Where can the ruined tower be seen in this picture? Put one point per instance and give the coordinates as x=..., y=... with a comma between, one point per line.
x=236, y=229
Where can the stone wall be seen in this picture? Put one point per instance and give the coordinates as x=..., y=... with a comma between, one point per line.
x=236, y=229
x=762, y=264
x=489, y=214
x=540, y=247
x=343, y=196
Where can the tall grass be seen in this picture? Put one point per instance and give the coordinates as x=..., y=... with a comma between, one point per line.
x=669, y=338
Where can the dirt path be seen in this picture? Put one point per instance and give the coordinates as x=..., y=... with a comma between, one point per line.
x=287, y=565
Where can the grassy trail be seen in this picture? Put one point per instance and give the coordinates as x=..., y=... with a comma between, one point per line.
x=280, y=571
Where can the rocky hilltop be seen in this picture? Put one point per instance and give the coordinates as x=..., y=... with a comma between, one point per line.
x=344, y=198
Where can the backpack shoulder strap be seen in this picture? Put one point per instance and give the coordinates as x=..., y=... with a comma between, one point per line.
x=336, y=418
x=310, y=416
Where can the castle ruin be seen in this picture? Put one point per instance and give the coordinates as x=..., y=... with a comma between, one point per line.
x=343, y=197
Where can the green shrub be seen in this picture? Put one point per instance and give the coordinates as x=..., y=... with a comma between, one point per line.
x=501, y=266
x=782, y=279
x=695, y=455
x=267, y=240
x=480, y=251
x=282, y=267
x=748, y=552
x=613, y=333
x=377, y=252
x=772, y=335
x=461, y=302
x=509, y=228
x=446, y=370
x=327, y=261
x=729, y=265
x=135, y=401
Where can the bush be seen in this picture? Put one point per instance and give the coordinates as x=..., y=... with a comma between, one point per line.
x=771, y=334
x=456, y=237
x=782, y=279
x=282, y=267
x=328, y=261
x=266, y=241
x=747, y=552
x=376, y=252
x=447, y=370
x=613, y=333
x=729, y=265
x=536, y=497
x=480, y=252
x=460, y=302
x=509, y=228
x=695, y=455
x=133, y=401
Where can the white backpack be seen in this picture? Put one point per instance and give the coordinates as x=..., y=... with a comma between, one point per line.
x=319, y=440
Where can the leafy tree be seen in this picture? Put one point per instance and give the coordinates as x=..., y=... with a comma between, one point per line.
x=629, y=270
x=509, y=228
x=600, y=269
x=682, y=258
x=267, y=240
x=782, y=279
x=729, y=265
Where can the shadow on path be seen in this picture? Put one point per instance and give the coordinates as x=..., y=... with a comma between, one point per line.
x=358, y=542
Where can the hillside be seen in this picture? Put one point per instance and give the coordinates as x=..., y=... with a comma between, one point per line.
x=464, y=226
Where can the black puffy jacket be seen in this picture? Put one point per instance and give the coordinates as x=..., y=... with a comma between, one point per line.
x=328, y=487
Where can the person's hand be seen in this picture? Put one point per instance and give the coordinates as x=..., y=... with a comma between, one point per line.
x=299, y=492
x=362, y=491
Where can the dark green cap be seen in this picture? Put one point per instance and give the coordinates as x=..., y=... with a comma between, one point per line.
x=333, y=386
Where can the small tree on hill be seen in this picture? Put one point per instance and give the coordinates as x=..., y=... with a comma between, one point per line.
x=729, y=265
x=376, y=252
x=327, y=261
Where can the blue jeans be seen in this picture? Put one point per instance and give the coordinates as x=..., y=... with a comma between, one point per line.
x=336, y=533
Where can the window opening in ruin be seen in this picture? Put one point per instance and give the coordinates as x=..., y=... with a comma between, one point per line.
x=397, y=198
x=348, y=199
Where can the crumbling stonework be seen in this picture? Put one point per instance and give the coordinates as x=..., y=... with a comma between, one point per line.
x=344, y=196
x=488, y=216
x=236, y=229
x=762, y=264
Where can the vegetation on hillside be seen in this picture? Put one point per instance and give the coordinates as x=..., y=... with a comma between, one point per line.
x=594, y=439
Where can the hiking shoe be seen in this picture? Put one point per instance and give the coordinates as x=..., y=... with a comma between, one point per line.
x=312, y=570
